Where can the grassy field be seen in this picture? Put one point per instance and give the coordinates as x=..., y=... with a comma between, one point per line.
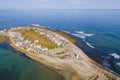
x=3, y=38
x=31, y=35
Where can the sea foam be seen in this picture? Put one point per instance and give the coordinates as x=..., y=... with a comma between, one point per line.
x=82, y=33
x=115, y=55
x=118, y=64
x=35, y=24
x=65, y=31
x=88, y=35
x=79, y=34
x=88, y=44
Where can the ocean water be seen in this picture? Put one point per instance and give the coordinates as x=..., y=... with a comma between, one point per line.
x=97, y=31
x=16, y=66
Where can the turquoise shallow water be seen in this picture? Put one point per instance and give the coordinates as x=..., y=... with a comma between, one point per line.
x=16, y=66
x=98, y=31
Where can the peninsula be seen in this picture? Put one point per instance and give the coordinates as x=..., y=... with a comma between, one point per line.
x=55, y=51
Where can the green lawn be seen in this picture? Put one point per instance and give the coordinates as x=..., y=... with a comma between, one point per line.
x=31, y=35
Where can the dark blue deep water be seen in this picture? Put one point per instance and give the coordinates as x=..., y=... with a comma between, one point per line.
x=97, y=31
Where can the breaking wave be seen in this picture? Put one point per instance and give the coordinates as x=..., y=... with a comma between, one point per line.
x=115, y=55
x=88, y=44
x=118, y=63
x=65, y=31
x=88, y=35
x=35, y=24
x=41, y=26
x=79, y=34
x=82, y=33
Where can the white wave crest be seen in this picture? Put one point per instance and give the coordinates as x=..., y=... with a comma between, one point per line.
x=65, y=31
x=35, y=24
x=115, y=55
x=118, y=64
x=89, y=45
x=88, y=35
x=79, y=35
x=79, y=32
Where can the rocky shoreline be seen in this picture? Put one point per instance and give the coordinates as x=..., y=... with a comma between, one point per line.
x=82, y=68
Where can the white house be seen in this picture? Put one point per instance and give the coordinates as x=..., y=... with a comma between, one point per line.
x=36, y=41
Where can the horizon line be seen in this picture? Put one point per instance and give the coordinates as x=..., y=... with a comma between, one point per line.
x=59, y=9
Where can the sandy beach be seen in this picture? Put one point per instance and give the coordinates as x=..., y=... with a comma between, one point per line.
x=82, y=68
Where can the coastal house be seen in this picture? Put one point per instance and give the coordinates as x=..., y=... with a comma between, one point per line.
x=26, y=41
x=36, y=41
x=12, y=34
x=76, y=55
x=1, y=32
x=44, y=49
x=13, y=28
x=29, y=49
x=57, y=42
x=42, y=33
x=18, y=44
